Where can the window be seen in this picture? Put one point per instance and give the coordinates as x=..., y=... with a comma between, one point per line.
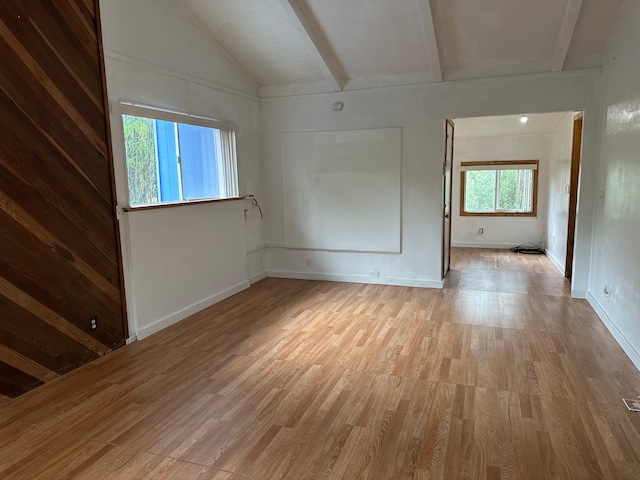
x=499, y=188
x=175, y=158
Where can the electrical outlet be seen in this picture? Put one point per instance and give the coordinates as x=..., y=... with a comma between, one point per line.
x=262, y=263
x=481, y=231
x=607, y=292
x=374, y=273
x=93, y=324
x=553, y=240
x=308, y=262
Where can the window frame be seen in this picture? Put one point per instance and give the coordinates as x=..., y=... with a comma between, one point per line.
x=230, y=170
x=499, y=165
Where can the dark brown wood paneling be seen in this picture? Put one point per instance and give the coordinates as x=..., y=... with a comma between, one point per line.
x=59, y=254
x=14, y=382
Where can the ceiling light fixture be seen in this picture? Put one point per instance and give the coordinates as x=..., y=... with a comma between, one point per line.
x=524, y=119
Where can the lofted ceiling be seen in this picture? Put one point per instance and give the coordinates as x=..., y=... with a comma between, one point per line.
x=334, y=45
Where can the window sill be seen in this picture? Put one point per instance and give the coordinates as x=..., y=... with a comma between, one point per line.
x=157, y=206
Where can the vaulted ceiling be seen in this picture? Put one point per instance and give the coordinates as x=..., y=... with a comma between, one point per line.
x=334, y=45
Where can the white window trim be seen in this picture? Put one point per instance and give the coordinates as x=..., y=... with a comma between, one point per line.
x=227, y=187
x=138, y=110
x=519, y=166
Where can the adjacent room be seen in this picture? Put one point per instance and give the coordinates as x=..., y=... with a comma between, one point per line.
x=268, y=239
x=506, y=210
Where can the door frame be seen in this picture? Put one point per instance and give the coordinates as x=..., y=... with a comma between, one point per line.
x=449, y=126
x=576, y=147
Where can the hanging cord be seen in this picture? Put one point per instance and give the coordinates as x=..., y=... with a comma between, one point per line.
x=256, y=204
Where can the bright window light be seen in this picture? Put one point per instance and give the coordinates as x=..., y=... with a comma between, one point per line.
x=500, y=188
x=173, y=158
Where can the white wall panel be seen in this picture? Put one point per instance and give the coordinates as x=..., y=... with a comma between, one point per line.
x=560, y=147
x=617, y=225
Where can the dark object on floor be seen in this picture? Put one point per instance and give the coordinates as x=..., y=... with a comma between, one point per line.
x=530, y=248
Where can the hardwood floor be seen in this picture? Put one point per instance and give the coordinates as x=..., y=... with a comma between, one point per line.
x=500, y=375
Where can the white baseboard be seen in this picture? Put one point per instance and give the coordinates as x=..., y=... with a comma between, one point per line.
x=132, y=339
x=338, y=277
x=484, y=245
x=581, y=294
x=555, y=261
x=257, y=248
x=257, y=277
x=622, y=340
x=190, y=310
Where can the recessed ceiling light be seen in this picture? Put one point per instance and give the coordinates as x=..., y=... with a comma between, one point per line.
x=524, y=119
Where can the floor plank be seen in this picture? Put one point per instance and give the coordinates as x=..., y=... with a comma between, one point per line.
x=499, y=375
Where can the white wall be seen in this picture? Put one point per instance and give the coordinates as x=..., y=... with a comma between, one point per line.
x=560, y=145
x=183, y=261
x=499, y=232
x=155, y=56
x=421, y=111
x=616, y=261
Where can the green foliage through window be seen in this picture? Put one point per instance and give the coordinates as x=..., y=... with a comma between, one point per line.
x=177, y=158
x=480, y=195
x=140, y=145
x=500, y=190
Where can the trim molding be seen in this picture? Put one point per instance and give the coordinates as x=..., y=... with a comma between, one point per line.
x=257, y=277
x=257, y=248
x=157, y=206
x=555, y=261
x=190, y=310
x=622, y=340
x=338, y=277
x=165, y=71
x=456, y=78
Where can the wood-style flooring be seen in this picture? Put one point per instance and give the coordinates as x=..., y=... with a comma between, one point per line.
x=501, y=375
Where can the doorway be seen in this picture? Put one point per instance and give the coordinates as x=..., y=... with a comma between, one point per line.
x=522, y=139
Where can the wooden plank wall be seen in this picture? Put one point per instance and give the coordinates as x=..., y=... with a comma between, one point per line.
x=59, y=253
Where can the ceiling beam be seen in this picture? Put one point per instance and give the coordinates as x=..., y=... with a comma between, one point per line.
x=569, y=20
x=429, y=28
x=309, y=31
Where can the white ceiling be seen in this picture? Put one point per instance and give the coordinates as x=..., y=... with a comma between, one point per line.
x=507, y=125
x=331, y=45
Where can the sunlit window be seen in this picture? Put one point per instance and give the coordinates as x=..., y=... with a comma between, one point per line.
x=499, y=188
x=174, y=158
